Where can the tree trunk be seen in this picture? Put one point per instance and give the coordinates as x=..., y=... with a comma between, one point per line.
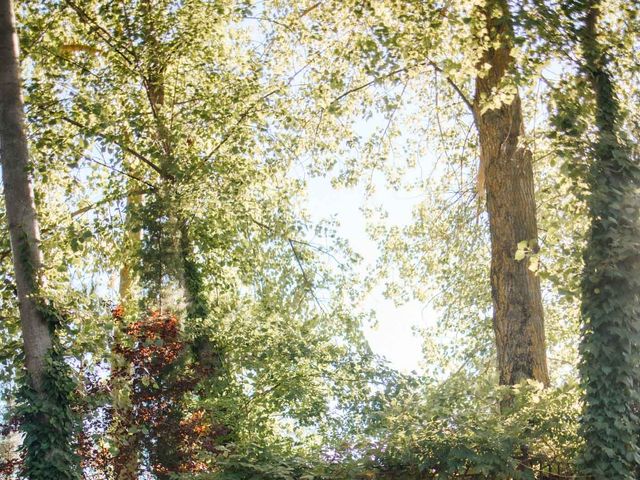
x=611, y=278
x=46, y=417
x=19, y=201
x=518, y=319
x=132, y=239
x=126, y=461
x=177, y=261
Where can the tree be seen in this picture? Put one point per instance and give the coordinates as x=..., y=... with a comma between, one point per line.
x=610, y=282
x=507, y=173
x=20, y=205
x=467, y=44
x=46, y=417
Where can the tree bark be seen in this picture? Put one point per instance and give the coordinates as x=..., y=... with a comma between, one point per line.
x=19, y=202
x=518, y=319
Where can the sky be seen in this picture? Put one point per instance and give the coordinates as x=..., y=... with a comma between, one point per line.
x=393, y=337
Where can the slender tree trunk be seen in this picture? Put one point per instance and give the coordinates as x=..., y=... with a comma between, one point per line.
x=611, y=278
x=185, y=270
x=126, y=461
x=518, y=319
x=177, y=261
x=132, y=239
x=19, y=201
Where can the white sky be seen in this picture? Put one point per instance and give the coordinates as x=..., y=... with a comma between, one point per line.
x=393, y=336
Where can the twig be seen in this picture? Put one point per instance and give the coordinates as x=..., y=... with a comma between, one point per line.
x=304, y=276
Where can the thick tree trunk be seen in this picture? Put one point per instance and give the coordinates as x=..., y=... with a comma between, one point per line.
x=518, y=319
x=19, y=201
x=611, y=278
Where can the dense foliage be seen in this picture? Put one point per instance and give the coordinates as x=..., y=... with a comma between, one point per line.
x=213, y=328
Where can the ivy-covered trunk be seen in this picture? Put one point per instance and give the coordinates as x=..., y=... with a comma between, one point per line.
x=611, y=277
x=131, y=240
x=505, y=161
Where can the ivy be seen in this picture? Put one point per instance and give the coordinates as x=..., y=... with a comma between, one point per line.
x=49, y=423
x=591, y=136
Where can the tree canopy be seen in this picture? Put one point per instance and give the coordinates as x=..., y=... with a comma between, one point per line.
x=172, y=309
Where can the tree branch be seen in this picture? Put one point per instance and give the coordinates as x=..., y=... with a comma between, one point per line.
x=103, y=33
x=304, y=275
x=5, y=253
x=431, y=63
x=121, y=172
x=230, y=132
x=372, y=82
x=455, y=87
x=124, y=148
x=88, y=208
